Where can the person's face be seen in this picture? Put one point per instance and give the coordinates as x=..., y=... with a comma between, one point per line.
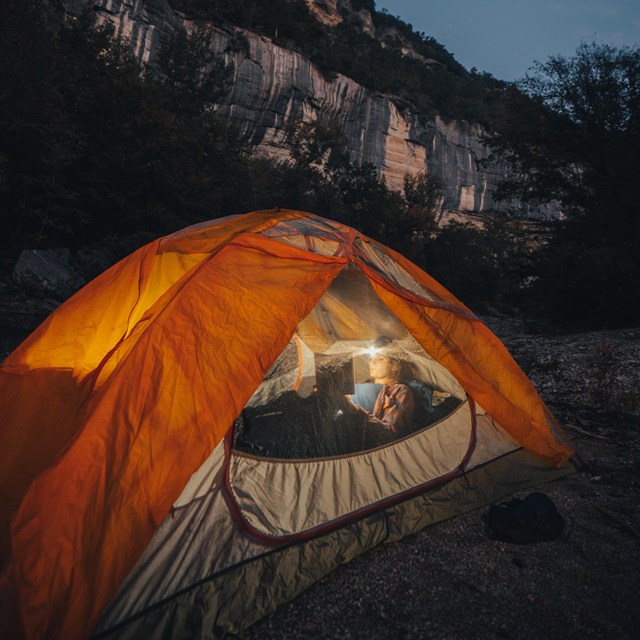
x=381, y=369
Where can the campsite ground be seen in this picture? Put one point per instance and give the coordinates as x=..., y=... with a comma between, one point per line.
x=452, y=581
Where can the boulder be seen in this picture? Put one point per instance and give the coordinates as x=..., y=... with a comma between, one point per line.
x=48, y=273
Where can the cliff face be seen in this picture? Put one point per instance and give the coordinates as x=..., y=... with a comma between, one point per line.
x=273, y=85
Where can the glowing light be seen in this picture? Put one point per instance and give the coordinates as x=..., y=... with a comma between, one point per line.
x=372, y=351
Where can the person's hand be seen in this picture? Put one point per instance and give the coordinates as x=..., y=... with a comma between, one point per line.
x=353, y=407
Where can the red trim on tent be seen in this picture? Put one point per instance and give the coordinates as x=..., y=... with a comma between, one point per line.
x=373, y=274
x=348, y=518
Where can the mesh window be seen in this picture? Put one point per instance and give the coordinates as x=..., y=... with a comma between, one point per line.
x=350, y=379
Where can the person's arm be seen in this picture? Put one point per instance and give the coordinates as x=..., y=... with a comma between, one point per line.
x=395, y=410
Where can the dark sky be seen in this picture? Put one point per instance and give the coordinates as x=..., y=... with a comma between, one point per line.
x=505, y=37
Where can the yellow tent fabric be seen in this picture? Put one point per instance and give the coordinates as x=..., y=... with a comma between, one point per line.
x=111, y=405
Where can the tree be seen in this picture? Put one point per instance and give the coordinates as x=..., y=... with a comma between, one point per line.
x=412, y=222
x=91, y=147
x=192, y=75
x=484, y=265
x=571, y=134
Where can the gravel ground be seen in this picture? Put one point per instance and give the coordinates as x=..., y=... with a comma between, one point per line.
x=452, y=581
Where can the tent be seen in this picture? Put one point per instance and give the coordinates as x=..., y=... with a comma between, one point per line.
x=152, y=477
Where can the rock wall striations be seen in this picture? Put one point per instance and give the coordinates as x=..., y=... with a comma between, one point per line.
x=273, y=86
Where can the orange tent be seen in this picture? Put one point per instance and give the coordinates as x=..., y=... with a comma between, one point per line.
x=113, y=404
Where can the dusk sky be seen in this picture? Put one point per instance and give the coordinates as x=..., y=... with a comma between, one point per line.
x=505, y=37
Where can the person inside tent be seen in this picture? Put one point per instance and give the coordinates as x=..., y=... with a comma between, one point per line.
x=393, y=410
x=328, y=423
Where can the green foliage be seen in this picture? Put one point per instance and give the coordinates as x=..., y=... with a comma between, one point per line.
x=309, y=142
x=586, y=284
x=424, y=45
x=190, y=73
x=574, y=139
x=89, y=148
x=359, y=195
x=575, y=134
x=424, y=195
x=320, y=177
x=367, y=5
x=487, y=266
x=434, y=80
x=411, y=223
x=286, y=21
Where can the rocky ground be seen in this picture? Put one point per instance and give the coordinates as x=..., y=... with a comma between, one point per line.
x=451, y=581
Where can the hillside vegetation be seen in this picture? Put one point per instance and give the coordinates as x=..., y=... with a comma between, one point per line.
x=398, y=61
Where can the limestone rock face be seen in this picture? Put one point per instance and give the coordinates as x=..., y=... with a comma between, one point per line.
x=326, y=11
x=273, y=86
x=143, y=22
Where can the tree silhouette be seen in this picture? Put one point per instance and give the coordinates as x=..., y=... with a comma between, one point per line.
x=573, y=137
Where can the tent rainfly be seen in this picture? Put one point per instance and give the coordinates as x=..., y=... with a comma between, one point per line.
x=191, y=438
